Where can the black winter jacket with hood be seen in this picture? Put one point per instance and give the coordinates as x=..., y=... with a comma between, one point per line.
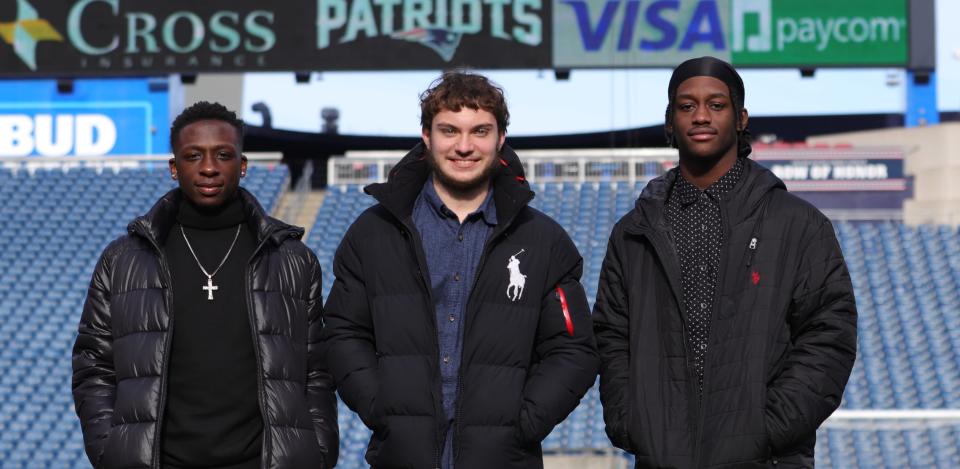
x=122, y=350
x=782, y=338
x=526, y=363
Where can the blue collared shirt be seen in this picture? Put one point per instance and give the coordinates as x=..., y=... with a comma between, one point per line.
x=453, y=253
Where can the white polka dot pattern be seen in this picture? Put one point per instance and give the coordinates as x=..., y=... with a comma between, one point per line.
x=694, y=217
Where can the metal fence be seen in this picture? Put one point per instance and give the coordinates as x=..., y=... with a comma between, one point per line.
x=590, y=165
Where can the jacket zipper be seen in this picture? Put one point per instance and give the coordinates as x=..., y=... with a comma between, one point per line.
x=458, y=412
x=754, y=239
x=407, y=232
x=718, y=290
x=488, y=246
x=261, y=394
x=168, y=297
x=659, y=249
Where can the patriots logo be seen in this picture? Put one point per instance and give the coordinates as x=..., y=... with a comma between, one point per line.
x=443, y=41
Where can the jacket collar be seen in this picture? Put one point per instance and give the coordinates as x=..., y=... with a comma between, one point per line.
x=739, y=203
x=431, y=198
x=157, y=222
x=511, y=192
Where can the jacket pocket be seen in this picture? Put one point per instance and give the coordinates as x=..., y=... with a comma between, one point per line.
x=526, y=430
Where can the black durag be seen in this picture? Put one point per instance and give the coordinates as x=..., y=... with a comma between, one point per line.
x=711, y=67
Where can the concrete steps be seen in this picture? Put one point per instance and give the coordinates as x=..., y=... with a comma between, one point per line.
x=299, y=208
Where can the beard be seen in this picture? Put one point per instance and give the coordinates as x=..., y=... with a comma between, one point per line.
x=455, y=185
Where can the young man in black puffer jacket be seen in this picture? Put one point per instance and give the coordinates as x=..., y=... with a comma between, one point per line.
x=457, y=326
x=199, y=343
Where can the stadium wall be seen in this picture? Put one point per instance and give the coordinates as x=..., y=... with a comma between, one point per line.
x=933, y=159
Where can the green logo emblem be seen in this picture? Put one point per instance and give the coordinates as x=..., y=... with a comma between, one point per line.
x=26, y=31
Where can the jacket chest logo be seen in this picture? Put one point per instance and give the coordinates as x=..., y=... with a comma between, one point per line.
x=517, y=278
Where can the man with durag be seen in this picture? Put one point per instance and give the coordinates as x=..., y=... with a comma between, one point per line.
x=725, y=315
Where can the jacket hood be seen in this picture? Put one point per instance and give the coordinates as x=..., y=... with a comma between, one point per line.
x=511, y=191
x=749, y=192
x=158, y=221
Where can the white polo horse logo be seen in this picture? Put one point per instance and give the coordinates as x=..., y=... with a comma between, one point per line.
x=517, y=279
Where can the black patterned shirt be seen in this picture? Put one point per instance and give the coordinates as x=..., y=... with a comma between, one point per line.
x=694, y=217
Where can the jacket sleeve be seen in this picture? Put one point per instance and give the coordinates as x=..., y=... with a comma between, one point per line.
x=567, y=353
x=94, y=378
x=823, y=324
x=320, y=389
x=349, y=335
x=612, y=328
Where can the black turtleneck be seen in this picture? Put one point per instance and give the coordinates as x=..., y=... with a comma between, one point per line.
x=212, y=417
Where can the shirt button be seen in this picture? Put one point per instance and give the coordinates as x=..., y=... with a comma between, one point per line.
x=703, y=305
x=456, y=276
x=452, y=318
x=446, y=358
x=460, y=237
x=703, y=268
x=703, y=227
x=703, y=346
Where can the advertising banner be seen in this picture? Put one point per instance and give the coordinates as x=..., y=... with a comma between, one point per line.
x=100, y=117
x=756, y=33
x=837, y=170
x=142, y=37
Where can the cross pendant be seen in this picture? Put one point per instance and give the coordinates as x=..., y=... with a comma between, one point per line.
x=210, y=288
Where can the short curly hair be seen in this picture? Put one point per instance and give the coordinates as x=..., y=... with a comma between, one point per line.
x=457, y=89
x=201, y=111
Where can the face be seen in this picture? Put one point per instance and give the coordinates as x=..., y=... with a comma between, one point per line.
x=207, y=162
x=464, y=147
x=704, y=120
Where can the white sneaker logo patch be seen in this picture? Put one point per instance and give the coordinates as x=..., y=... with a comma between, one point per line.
x=517, y=279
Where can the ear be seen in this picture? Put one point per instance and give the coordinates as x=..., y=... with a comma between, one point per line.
x=173, y=168
x=425, y=135
x=503, y=137
x=744, y=117
x=243, y=165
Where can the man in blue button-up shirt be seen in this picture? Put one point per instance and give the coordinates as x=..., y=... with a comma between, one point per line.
x=457, y=327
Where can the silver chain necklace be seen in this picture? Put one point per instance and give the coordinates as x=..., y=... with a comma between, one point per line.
x=210, y=287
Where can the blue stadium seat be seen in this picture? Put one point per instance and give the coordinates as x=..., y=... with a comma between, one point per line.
x=906, y=280
x=46, y=215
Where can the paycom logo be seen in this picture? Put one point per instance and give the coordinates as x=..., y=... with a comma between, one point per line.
x=819, y=31
x=26, y=31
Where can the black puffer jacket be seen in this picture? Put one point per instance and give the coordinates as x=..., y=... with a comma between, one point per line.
x=525, y=365
x=782, y=339
x=121, y=354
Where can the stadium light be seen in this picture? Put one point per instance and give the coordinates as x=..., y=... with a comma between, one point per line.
x=264, y=110
x=921, y=77
x=302, y=77
x=188, y=78
x=65, y=85
x=561, y=74
x=330, y=117
x=808, y=72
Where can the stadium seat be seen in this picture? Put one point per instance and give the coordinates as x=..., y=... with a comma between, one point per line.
x=55, y=225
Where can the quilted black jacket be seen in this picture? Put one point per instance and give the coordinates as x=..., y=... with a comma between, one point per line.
x=121, y=354
x=526, y=363
x=782, y=339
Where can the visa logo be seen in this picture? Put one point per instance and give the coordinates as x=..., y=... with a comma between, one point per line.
x=56, y=134
x=647, y=25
